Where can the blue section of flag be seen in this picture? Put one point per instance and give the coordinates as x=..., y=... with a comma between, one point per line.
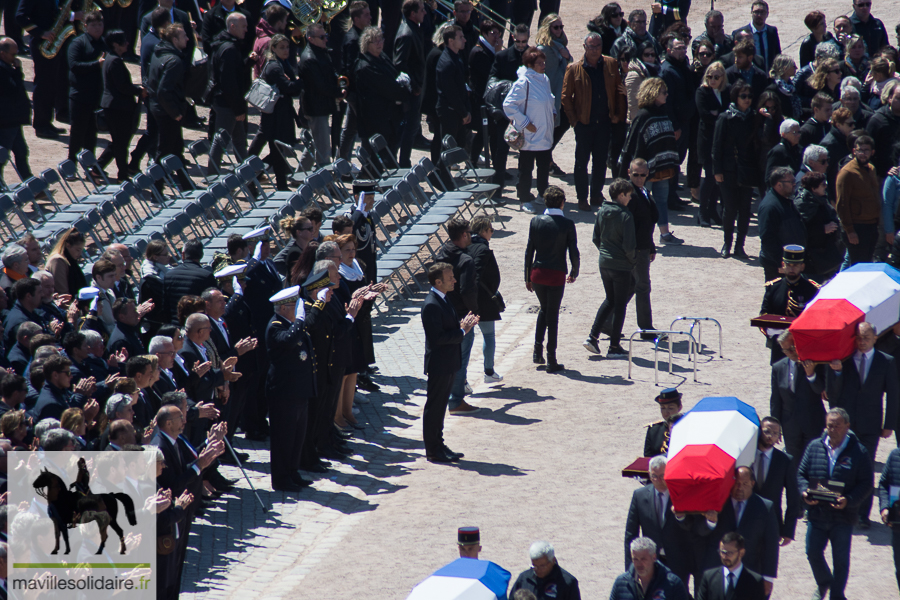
x=885, y=268
x=724, y=403
x=492, y=576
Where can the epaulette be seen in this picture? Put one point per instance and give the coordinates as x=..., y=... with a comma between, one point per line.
x=774, y=281
x=648, y=425
x=317, y=304
x=815, y=285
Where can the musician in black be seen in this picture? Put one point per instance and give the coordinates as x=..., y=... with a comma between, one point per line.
x=86, y=54
x=51, y=83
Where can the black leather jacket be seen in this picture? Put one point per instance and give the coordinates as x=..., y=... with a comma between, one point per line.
x=549, y=238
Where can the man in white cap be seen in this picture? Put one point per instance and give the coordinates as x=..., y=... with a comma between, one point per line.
x=289, y=383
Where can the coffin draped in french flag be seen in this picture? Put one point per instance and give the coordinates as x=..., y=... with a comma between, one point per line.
x=866, y=292
x=464, y=579
x=707, y=444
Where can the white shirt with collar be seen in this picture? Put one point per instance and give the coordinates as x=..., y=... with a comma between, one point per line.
x=220, y=323
x=174, y=443
x=557, y=212
x=768, y=462
x=737, y=574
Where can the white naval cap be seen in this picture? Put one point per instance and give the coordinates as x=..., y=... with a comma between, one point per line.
x=286, y=296
x=88, y=293
x=258, y=234
x=232, y=271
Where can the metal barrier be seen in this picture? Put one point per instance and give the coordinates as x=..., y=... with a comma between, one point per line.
x=698, y=322
x=692, y=348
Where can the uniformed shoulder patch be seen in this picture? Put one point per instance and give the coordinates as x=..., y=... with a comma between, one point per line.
x=815, y=285
x=319, y=304
x=774, y=281
x=648, y=425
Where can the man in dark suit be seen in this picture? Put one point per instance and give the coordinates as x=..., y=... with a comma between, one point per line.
x=409, y=58
x=508, y=61
x=187, y=279
x=444, y=333
x=717, y=583
x=744, y=68
x=650, y=515
x=796, y=399
x=765, y=37
x=754, y=518
x=197, y=352
x=481, y=60
x=55, y=396
x=126, y=334
x=774, y=474
x=453, y=108
x=858, y=385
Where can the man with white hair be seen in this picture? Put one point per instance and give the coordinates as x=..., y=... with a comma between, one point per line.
x=546, y=579
x=651, y=516
x=815, y=160
x=647, y=577
x=787, y=152
x=15, y=266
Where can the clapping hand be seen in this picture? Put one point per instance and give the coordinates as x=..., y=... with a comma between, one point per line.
x=207, y=411
x=86, y=387
x=144, y=308
x=468, y=322
x=245, y=345
x=354, y=306
x=202, y=369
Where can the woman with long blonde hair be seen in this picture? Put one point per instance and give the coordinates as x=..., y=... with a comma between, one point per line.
x=827, y=78
x=64, y=263
x=552, y=41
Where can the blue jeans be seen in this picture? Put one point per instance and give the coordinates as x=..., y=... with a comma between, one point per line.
x=458, y=392
x=818, y=534
x=488, y=344
x=659, y=191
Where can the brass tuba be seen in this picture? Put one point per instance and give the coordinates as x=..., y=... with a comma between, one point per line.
x=306, y=12
x=330, y=8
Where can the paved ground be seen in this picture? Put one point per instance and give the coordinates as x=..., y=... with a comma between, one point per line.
x=543, y=459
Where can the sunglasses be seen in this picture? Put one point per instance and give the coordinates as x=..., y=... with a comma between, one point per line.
x=556, y=27
x=705, y=54
x=745, y=96
x=716, y=76
x=640, y=174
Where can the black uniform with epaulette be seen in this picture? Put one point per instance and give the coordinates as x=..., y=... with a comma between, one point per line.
x=290, y=385
x=657, y=440
x=240, y=325
x=787, y=298
x=262, y=283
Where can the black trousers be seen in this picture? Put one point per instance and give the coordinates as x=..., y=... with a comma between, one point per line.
x=51, y=86
x=146, y=144
x=449, y=125
x=709, y=193
x=241, y=390
x=547, y=7
x=287, y=433
x=550, y=298
x=170, y=140
x=499, y=149
x=736, y=200
x=591, y=145
x=121, y=129
x=309, y=455
x=770, y=272
x=617, y=285
x=438, y=393
x=10, y=26
x=83, y=130
x=390, y=20
x=870, y=441
x=694, y=168
x=256, y=408
x=617, y=134
x=274, y=158
x=527, y=159
x=865, y=249
x=560, y=130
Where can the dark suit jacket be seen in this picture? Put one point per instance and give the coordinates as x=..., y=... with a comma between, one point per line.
x=800, y=411
x=481, y=60
x=758, y=83
x=643, y=521
x=179, y=474
x=781, y=477
x=863, y=402
x=773, y=43
x=452, y=97
x=291, y=375
x=749, y=586
x=409, y=54
x=125, y=336
x=199, y=388
x=187, y=279
x=759, y=526
x=224, y=348
x=119, y=93
x=443, y=336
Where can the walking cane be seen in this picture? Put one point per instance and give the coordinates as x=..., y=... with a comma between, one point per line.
x=241, y=467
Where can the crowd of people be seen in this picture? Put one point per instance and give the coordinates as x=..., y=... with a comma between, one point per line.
x=276, y=345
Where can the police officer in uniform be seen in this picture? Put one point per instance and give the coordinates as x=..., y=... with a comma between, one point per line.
x=787, y=295
x=290, y=383
x=657, y=440
x=666, y=13
x=262, y=281
x=469, y=541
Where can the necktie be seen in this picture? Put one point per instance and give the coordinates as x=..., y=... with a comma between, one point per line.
x=761, y=45
x=739, y=512
x=729, y=593
x=793, y=375
x=760, y=470
x=862, y=368
x=659, y=508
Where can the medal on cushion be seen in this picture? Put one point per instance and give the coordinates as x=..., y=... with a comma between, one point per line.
x=303, y=355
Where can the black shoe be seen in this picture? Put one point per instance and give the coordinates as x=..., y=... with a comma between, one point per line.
x=554, y=367
x=739, y=253
x=865, y=523
x=344, y=434
x=556, y=171
x=454, y=455
x=440, y=457
x=296, y=478
x=591, y=345
x=421, y=143
x=364, y=383
x=286, y=486
x=726, y=251
x=227, y=459
x=46, y=134
x=616, y=351
x=652, y=336
x=220, y=482
x=703, y=222
x=538, y=357
x=598, y=201
x=334, y=454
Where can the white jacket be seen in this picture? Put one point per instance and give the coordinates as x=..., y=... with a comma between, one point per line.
x=541, y=108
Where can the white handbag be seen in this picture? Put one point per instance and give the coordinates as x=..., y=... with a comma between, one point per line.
x=263, y=96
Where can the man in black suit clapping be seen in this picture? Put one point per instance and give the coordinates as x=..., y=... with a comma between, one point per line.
x=444, y=333
x=718, y=583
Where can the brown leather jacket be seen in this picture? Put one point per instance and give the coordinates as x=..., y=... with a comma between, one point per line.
x=576, y=92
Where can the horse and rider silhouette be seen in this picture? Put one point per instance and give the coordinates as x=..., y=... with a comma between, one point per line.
x=69, y=508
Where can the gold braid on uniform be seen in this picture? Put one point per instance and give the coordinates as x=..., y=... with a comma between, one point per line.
x=794, y=308
x=665, y=445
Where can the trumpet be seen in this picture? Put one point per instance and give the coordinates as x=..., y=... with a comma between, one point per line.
x=486, y=12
